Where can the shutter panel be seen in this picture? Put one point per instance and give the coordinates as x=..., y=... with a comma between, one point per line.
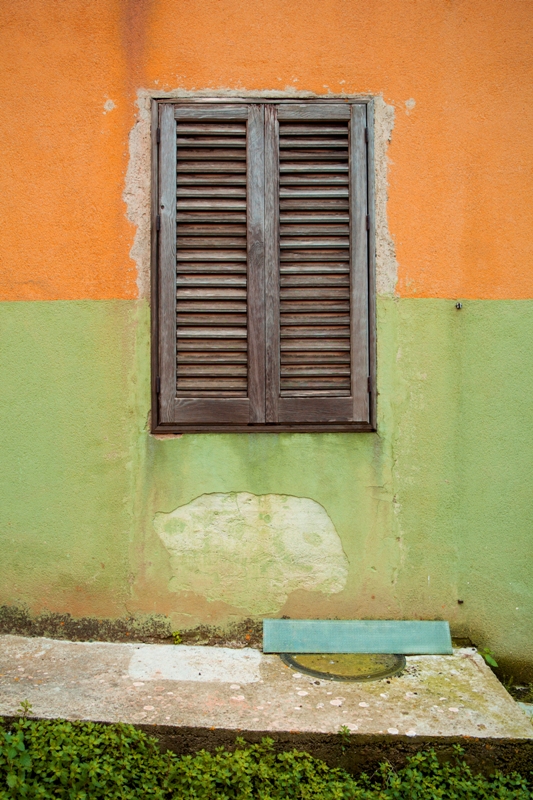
x=263, y=266
x=211, y=257
x=317, y=264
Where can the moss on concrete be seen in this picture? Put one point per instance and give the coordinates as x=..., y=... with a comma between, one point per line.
x=151, y=628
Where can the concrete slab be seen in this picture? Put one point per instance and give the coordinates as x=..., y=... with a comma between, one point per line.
x=245, y=690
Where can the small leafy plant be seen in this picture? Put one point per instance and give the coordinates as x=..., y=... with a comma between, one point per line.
x=344, y=734
x=45, y=759
x=488, y=655
x=24, y=708
x=176, y=637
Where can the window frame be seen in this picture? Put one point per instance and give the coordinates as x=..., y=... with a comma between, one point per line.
x=158, y=427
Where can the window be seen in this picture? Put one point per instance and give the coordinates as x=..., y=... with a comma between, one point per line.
x=263, y=281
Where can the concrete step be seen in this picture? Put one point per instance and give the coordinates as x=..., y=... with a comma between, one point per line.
x=185, y=693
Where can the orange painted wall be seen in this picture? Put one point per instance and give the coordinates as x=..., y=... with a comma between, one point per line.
x=460, y=203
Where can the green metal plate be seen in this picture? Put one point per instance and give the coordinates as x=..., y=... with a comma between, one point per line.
x=346, y=666
x=408, y=637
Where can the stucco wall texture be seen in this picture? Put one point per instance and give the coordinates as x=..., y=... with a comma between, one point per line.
x=461, y=155
x=434, y=508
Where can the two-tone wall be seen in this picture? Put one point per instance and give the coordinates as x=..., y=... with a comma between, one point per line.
x=98, y=517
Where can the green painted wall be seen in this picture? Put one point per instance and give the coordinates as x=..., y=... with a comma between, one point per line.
x=434, y=508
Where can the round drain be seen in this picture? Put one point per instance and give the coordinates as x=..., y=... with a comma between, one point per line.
x=346, y=666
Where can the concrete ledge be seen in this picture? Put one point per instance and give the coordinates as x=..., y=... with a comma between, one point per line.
x=194, y=697
x=361, y=753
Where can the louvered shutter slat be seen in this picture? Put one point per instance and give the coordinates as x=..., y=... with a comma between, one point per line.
x=312, y=375
x=263, y=265
x=214, y=216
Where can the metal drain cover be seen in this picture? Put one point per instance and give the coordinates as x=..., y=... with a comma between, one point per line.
x=346, y=666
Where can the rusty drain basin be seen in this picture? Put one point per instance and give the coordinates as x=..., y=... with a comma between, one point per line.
x=346, y=666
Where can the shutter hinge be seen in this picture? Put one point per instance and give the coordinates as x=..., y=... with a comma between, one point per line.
x=158, y=223
x=158, y=384
x=369, y=385
x=366, y=136
x=367, y=222
x=158, y=135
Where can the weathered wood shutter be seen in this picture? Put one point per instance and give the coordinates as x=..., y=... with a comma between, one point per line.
x=211, y=291
x=263, y=267
x=317, y=264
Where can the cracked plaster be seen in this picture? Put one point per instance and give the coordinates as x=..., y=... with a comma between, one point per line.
x=138, y=178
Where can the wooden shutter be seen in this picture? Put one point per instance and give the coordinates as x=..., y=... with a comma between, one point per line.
x=316, y=264
x=261, y=212
x=211, y=265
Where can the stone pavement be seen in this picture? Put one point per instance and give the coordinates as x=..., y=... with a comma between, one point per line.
x=182, y=686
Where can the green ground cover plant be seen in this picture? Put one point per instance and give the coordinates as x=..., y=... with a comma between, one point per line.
x=89, y=761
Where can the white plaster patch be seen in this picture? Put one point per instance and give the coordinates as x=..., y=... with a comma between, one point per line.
x=386, y=264
x=108, y=106
x=137, y=189
x=137, y=193
x=252, y=551
x=189, y=663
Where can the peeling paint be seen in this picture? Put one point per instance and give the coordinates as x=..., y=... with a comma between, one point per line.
x=137, y=193
x=252, y=551
x=386, y=263
x=137, y=190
